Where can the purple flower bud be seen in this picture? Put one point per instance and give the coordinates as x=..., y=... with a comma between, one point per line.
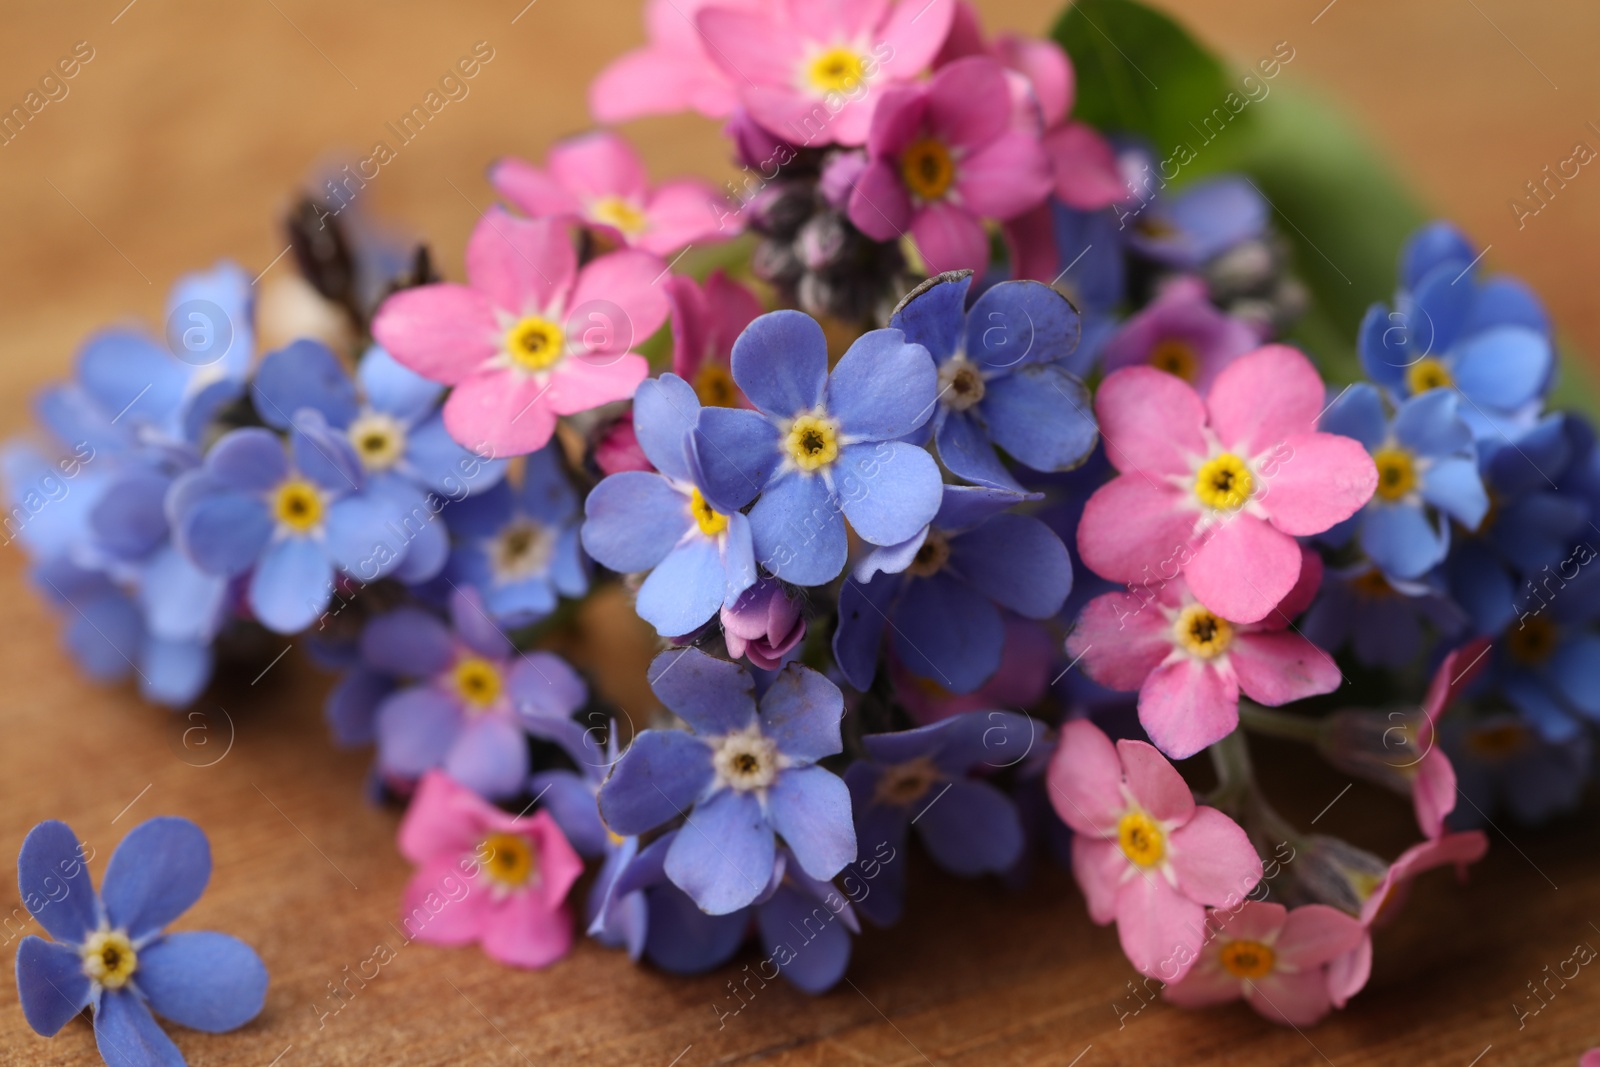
x=754, y=146
x=763, y=625
x=839, y=176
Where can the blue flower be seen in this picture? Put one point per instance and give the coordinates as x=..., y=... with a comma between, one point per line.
x=1427, y=475
x=1003, y=379
x=1189, y=227
x=1500, y=762
x=1547, y=661
x=1489, y=341
x=699, y=557
x=391, y=419
x=824, y=447
x=296, y=519
x=925, y=777
x=1381, y=617
x=942, y=592
x=746, y=772
x=110, y=953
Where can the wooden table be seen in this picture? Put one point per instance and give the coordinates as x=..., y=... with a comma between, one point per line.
x=178, y=144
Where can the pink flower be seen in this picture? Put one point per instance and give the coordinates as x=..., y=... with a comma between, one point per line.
x=674, y=72
x=531, y=337
x=1182, y=333
x=1189, y=664
x=486, y=876
x=1144, y=854
x=705, y=323
x=1019, y=682
x=1273, y=957
x=812, y=71
x=618, y=448
x=1348, y=973
x=1218, y=489
x=598, y=178
x=764, y=625
x=1590, y=1058
x=943, y=158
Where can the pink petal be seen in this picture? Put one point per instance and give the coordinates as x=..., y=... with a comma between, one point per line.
x=579, y=382
x=1206, y=985
x=440, y=905
x=1313, y=934
x=500, y=413
x=949, y=237
x=617, y=303
x=1317, y=480
x=1031, y=237
x=683, y=213
x=559, y=865
x=1188, y=705
x=661, y=81
x=1098, y=867
x=443, y=332
x=1085, y=167
x=732, y=307
x=1265, y=397
x=1455, y=673
x=530, y=189
x=524, y=266
x=1348, y=974
x=1162, y=933
x=1296, y=999
x=828, y=21
x=969, y=103
x=1135, y=531
x=1433, y=793
x=1254, y=920
x=1151, y=421
x=1085, y=779
x=1245, y=569
x=443, y=818
x=1304, y=591
x=1047, y=69
x=1212, y=857
x=521, y=931
x=900, y=118
x=1155, y=783
x=753, y=48
x=853, y=122
x=1121, y=639
x=915, y=31
x=1005, y=177
x=690, y=325
x=1276, y=667
x=880, y=207
x=596, y=165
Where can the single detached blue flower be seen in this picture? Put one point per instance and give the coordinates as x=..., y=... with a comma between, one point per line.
x=110, y=953
x=1427, y=475
x=390, y=417
x=821, y=448
x=1502, y=762
x=1489, y=341
x=1381, y=618
x=1003, y=378
x=699, y=558
x=926, y=777
x=942, y=592
x=296, y=518
x=746, y=772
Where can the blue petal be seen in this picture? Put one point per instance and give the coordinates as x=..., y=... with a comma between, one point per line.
x=1503, y=368
x=948, y=632
x=227, y=289
x=545, y=493
x=1021, y=322
x=1431, y=425
x=863, y=612
x=415, y=728
x=174, y=673
x=972, y=829
x=685, y=940
x=105, y=635
x=801, y=711
x=934, y=313
x=250, y=459
x=180, y=601
x=394, y=389
x=736, y=454
x=810, y=807
x=888, y=490
x=521, y=603
x=128, y=1036
x=1400, y=539
x=475, y=628
x=53, y=881
x=713, y=696
x=303, y=374
x=203, y=980
x=489, y=757
x=1538, y=530
x=1208, y=217
x=571, y=802
x=633, y=519
x=1382, y=344
x=1042, y=416
x=367, y=535
x=797, y=529
x=817, y=943
x=964, y=448
x=780, y=361
x=407, y=643
x=964, y=506
x=156, y=874
x=442, y=465
x=1507, y=302
x=204, y=407
x=1575, y=669
x=131, y=377
x=224, y=532
x=129, y=520
x=658, y=778
x=1095, y=274
x=426, y=554
x=1431, y=246
x=1438, y=310
x=1358, y=413
x=1454, y=487
x=292, y=585
x=1018, y=562
x=72, y=418
x=1480, y=584
x=51, y=984
x=685, y=589
x=352, y=707
x=880, y=896
x=738, y=558
x=892, y=559
x=723, y=855
x=882, y=387
x=323, y=455
x=665, y=411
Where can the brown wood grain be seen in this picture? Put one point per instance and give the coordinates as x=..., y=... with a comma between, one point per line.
x=178, y=144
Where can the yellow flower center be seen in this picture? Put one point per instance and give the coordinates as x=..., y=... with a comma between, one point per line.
x=535, y=343
x=1247, y=959
x=1428, y=373
x=379, y=440
x=1141, y=839
x=745, y=760
x=1372, y=585
x=905, y=783
x=1176, y=357
x=1497, y=741
x=521, y=550
x=932, y=556
x=477, y=681
x=927, y=168
x=713, y=384
x=508, y=859
x=960, y=384
x=838, y=70
x=615, y=838
x=1397, y=473
x=1532, y=641
x=711, y=521
x=1224, y=482
x=812, y=442
x=108, y=958
x=298, y=505
x=1200, y=633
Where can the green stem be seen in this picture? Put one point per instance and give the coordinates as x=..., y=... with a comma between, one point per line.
x=1277, y=723
x=1235, y=776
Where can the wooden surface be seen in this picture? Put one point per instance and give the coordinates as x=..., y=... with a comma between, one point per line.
x=178, y=144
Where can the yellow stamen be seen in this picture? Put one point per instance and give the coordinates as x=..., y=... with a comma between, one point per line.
x=1428, y=373
x=931, y=557
x=535, y=343
x=379, y=440
x=477, y=681
x=1142, y=840
x=1497, y=741
x=1397, y=473
x=905, y=783
x=927, y=168
x=1224, y=482
x=617, y=213
x=713, y=384
x=1372, y=584
x=1201, y=633
x=297, y=504
x=109, y=958
x=711, y=521
x=508, y=859
x=838, y=70
x=1247, y=959
x=1176, y=357
x=961, y=384
x=746, y=760
x=812, y=442
x=1532, y=641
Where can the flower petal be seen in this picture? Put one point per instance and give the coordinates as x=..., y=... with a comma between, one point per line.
x=443, y=332
x=972, y=830
x=203, y=980
x=1134, y=530
x=660, y=776
x=1160, y=930
x=490, y=757
x=1213, y=859
x=781, y=363
x=291, y=586
x=723, y=855
x=713, y=696
x=686, y=588
x=1151, y=421
x=801, y=711
x=1276, y=668
x=1244, y=570
x=1085, y=779
x=127, y=1034
x=156, y=873
x=882, y=388
x=53, y=882
x=799, y=532
x=415, y=728
x=810, y=807
x=1322, y=479
x=1040, y=415
x=1264, y=397
x=50, y=984
x=888, y=490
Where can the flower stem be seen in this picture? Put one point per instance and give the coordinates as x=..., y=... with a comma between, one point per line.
x=1277, y=723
